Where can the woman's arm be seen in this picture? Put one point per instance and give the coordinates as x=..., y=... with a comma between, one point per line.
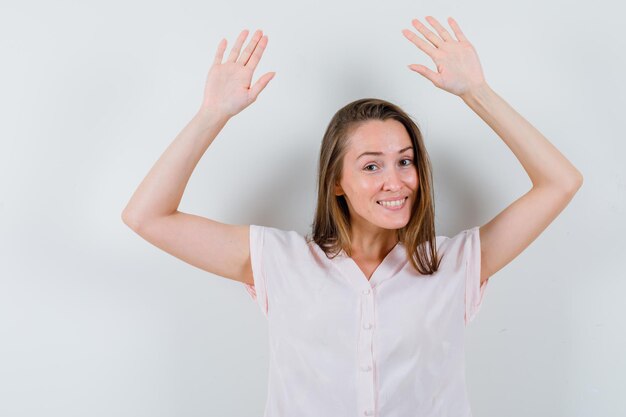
x=219, y=248
x=227, y=92
x=543, y=163
x=555, y=180
x=161, y=191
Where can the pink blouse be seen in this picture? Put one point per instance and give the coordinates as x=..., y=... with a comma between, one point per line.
x=343, y=346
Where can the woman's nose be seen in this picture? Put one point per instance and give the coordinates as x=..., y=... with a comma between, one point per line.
x=393, y=180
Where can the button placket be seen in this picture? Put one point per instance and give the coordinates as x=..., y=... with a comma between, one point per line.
x=364, y=289
x=365, y=358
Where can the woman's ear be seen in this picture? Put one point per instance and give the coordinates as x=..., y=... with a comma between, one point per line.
x=338, y=189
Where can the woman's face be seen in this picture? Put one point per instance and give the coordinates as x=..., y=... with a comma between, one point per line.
x=390, y=174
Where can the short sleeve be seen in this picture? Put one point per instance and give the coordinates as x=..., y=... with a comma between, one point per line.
x=474, y=292
x=258, y=290
x=276, y=256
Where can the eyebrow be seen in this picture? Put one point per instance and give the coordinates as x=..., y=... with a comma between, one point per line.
x=380, y=153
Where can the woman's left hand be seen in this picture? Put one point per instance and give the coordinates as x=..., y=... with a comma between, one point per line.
x=458, y=67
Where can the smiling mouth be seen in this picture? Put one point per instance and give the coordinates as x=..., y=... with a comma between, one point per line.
x=394, y=205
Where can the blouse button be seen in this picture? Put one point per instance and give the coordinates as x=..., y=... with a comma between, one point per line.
x=368, y=326
x=366, y=291
x=369, y=412
x=365, y=368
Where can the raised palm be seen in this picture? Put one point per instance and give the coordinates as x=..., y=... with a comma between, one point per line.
x=227, y=90
x=458, y=66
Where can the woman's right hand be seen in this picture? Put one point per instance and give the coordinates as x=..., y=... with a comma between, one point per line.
x=227, y=90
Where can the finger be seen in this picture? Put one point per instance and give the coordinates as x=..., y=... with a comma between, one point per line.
x=445, y=35
x=434, y=39
x=234, y=53
x=243, y=59
x=258, y=52
x=220, y=51
x=260, y=84
x=457, y=30
x=426, y=72
x=423, y=45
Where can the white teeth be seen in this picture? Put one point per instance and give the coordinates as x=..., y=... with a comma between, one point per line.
x=396, y=203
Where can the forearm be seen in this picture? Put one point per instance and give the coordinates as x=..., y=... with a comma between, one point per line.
x=543, y=162
x=160, y=192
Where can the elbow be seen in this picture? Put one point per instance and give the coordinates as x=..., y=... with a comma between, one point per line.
x=566, y=183
x=130, y=220
x=575, y=183
x=579, y=180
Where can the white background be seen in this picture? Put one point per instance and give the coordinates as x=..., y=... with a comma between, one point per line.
x=95, y=321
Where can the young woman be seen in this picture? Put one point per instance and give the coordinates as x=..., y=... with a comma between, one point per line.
x=367, y=315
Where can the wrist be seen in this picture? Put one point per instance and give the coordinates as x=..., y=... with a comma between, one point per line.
x=208, y=117
x=475, y=92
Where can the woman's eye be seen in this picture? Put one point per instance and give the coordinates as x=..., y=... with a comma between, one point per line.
x=410, y=161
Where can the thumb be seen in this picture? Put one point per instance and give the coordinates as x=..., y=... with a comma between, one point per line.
x=426, y=72
x=260, y=84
